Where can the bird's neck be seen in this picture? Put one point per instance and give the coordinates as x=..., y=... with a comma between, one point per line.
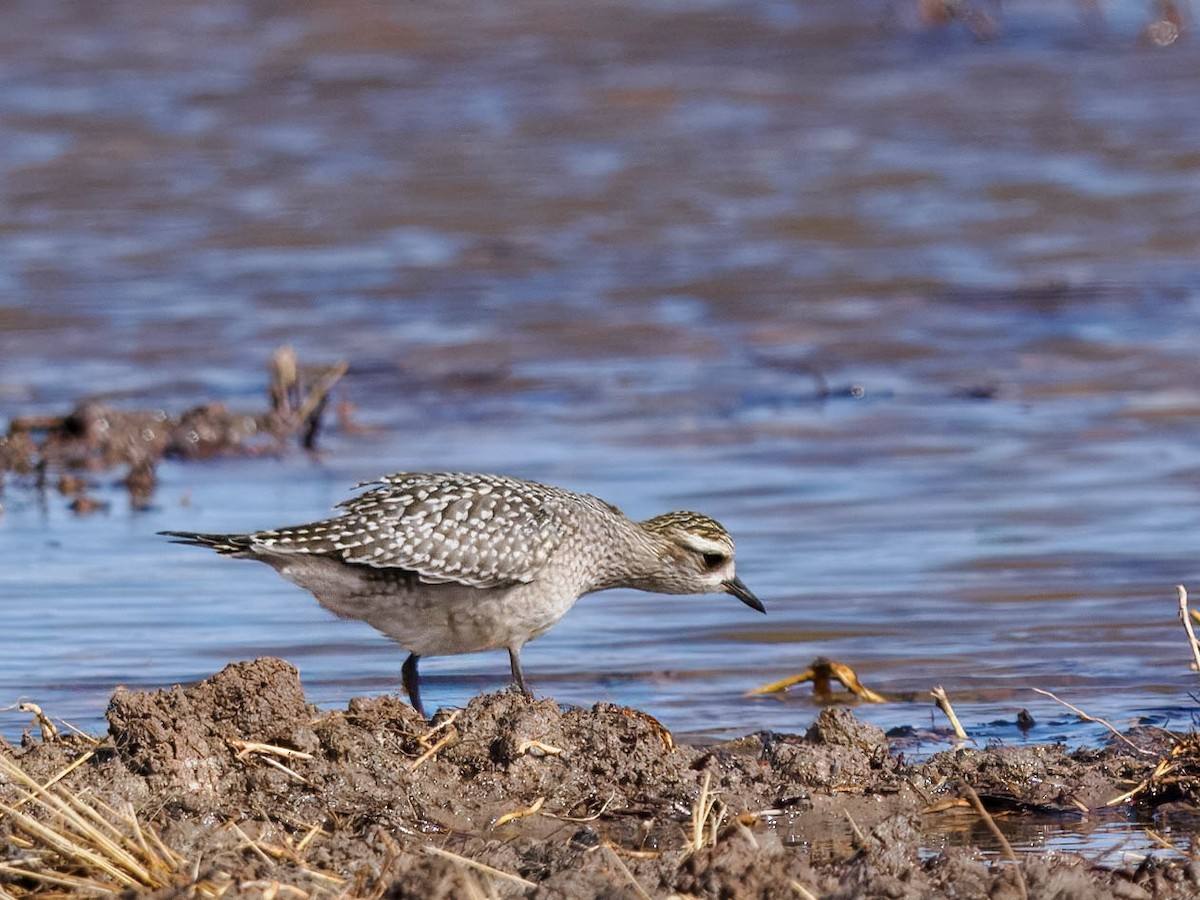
x=633, y=557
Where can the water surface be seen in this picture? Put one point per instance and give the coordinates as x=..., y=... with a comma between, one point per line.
x=913, y=315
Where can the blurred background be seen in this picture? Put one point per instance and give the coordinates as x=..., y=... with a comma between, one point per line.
x=906, y=294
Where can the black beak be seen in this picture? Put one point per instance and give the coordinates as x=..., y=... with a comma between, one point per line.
x=738, y=589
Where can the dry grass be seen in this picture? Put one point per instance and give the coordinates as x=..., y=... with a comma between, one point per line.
x=1177, y=775
x=445, y=740
x=532, y=810
x=77, y=845
x=64, y=844
x=471, y=865
x=705, y=823
x=626, y=874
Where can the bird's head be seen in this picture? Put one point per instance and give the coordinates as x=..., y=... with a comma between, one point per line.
x=696, y=558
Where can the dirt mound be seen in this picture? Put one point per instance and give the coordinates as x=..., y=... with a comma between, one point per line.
x=248, y=786
x=185, y=742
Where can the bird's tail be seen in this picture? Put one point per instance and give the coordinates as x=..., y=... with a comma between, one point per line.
x=222, y=543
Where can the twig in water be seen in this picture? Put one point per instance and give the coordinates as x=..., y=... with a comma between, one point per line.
x=298, y=397
x=1165, y=844
x=821, y=673
x=944, y=805
x=1187, y=625
x=943, y=703
x=1005, y=846
x=1086, y=718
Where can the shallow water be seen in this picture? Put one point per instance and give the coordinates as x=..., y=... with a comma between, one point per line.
x=913, y=315
x=1110, y=840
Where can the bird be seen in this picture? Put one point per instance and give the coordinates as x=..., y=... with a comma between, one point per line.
x=444, y=563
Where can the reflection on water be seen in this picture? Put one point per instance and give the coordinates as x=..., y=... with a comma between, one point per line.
x=1112, y=841
x=911, y=314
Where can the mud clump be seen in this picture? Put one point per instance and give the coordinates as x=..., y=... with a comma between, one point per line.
x=511, y=797
x=185, y=742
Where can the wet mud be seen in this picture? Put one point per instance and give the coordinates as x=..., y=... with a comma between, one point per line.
x=241, y=787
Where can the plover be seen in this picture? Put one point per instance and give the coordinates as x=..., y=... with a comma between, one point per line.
x=446, y=563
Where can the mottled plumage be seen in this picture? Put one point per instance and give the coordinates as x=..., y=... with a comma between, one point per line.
x=446, y=563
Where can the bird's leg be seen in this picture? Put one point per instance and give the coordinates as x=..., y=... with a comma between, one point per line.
x=518, y=677
x=412, y=683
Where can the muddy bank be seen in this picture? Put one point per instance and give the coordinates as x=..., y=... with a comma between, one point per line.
x=240, y=787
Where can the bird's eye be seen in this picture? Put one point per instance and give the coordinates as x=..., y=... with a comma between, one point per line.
x=714, y=560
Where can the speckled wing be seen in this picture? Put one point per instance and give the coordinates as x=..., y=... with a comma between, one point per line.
x=479, y=530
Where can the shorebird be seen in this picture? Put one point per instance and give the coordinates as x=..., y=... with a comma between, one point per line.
x=446, y=563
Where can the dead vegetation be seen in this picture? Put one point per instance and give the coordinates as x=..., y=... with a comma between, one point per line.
x=822, y=673
x=60, y=452
x=76, y=845
x=237, y=786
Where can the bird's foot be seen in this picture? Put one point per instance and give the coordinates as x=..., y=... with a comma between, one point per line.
x=523, y=690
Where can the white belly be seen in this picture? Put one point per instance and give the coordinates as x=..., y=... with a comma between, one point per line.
x=433, y=619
